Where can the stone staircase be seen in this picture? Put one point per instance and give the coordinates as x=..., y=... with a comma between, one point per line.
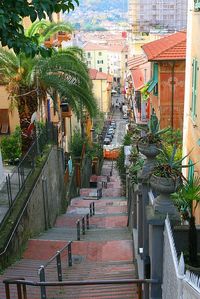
x=105, y=252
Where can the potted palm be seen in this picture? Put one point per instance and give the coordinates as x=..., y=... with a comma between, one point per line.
x=187, y=199
x=166, y=178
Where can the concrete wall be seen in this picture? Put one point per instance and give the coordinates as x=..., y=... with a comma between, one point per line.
x=44, y=204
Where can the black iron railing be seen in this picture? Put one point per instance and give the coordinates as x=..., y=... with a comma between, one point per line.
x=16, y=180
x=22, y=284
x=84, y=222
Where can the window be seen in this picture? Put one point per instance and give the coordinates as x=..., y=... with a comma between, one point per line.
x=88, y=54
x=99, y=61
x=194, y=88
x=4, y=121
x=190, y=170
x=100, y=53
x=100, y=69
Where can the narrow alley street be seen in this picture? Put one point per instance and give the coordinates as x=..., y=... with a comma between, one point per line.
x=104, y=252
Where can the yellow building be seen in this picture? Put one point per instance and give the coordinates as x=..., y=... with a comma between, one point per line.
x=110, y=59
x=191, y=131
x=102, y=84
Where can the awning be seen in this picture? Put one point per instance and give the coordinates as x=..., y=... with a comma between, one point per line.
x=154, y=80
x=152, y=85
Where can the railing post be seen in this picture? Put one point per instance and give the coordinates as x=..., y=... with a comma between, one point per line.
x=69, y=249
x=139, y=291
x=91, y=213
x=19, y=291
x=7, y=290
x=8, y=192
x=87, y=221
x=24, y=291
x=19, y=181
x=78, y=230
x=93, y=208
x=83, y=225
x=59, y=266
x=42, y=279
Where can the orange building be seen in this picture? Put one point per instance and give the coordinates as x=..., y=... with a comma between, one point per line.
x=166, y=88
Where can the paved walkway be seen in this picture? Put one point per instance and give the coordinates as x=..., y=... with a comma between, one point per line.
x=104, y=252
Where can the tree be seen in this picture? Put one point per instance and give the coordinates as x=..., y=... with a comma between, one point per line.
x=29, y=79
x=13, y=11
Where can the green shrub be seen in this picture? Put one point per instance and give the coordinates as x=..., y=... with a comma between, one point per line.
x=76, y=144
x=11, y=146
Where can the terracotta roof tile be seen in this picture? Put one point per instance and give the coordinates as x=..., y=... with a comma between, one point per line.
x=93, y=46
x=134, y=62
x=96, y=75
x=171, y=47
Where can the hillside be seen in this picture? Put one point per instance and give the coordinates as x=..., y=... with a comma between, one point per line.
x=104, y=5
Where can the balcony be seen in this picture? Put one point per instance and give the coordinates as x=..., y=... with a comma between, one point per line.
x=65, y=110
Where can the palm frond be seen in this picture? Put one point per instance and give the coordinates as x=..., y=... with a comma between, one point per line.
x=37, y=27
x=54, y=28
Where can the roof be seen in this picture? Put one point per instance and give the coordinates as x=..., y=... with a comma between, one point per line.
x=138, y=78
x=94, y=47
x=96, y=75
x=134, y=62
x=171, y=47
x=99, y=47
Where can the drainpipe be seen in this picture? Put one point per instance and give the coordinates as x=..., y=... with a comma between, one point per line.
x=172, y=101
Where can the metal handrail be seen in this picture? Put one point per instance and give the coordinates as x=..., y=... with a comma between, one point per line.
x=22, y=283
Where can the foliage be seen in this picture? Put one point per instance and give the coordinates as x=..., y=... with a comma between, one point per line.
x=153, y=136
x=168, y=165
x=144, y=92
x=11, y=29
x=127, y=139
x=184, y=198
x=28, y=79
x=95, y=150
x=120, y=164
x=98, y=122
x=11, y=146
x=76, y=144
x=169, y=149
x=137, y=164
x=172, y=136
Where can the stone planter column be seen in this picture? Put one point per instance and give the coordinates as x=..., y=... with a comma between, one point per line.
x=150, y=151
x=165, y=187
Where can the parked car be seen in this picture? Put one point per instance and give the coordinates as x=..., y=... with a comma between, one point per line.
x=111, y=132
x=113, y=124
x=125, y=116
x=106, y=141
x=110, y=136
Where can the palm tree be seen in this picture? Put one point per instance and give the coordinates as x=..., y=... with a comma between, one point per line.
x=29, y=79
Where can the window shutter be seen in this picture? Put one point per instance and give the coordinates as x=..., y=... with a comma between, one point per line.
x=194, y=87
x=190, y=170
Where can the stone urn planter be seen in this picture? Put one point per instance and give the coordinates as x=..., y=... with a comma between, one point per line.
x=150, y=151
x=164, y=187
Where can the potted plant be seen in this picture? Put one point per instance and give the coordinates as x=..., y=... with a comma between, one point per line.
x=187, y=199
x=166, y=178
x=150, y=144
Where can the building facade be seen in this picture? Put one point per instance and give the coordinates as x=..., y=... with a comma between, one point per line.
x=147, y=15
x=191, y=132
